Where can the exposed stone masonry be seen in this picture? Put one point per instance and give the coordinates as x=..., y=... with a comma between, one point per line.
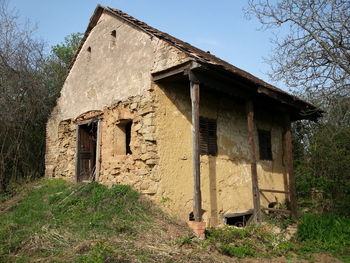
x=136, y=169
x=60, y=153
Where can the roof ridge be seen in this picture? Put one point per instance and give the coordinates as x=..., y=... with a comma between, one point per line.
x=191, y=50
x=196, y=53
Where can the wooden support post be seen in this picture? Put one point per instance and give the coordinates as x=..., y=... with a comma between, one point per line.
x=254, y=173
x=98, y=149
x=289, y=162
x=197, y=198
x=77, y=153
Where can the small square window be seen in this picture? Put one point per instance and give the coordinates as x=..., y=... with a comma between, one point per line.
x=123, y=137
x=207, y=136
x=265, y=151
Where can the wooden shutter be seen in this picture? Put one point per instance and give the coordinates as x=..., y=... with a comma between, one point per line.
x=207, y=136
x=203, y=135
x=265, y=150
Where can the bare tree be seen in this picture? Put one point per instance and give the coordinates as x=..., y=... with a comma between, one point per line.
x=314, y=50
x=30, y=82
x=312, y=54
x=22, y=95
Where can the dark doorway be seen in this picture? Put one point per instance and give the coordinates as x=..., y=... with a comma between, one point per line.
x=86, y=165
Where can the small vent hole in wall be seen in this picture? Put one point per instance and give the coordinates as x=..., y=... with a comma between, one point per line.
x=89, y=53
x=239, y=221
x=113, y=38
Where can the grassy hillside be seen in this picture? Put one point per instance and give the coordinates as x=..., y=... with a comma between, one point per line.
x=54, y=221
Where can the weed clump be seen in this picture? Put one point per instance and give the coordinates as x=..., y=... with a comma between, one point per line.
x=251, y=241
x=316, y=234
x=239, y=252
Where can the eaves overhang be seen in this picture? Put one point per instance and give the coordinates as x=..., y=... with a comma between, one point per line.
x=236, y=86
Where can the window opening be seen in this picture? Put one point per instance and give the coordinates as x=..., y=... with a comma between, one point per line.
x=123, y=137
x=207, y=136
x=128, y=137
x=113, y=37
x=87, y=143
x=265, y=151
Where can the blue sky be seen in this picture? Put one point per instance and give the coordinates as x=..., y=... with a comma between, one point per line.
x=216, y=26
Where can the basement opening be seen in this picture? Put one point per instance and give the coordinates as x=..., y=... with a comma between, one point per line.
x=191, y=216
x=238, y=220
x=86, y=152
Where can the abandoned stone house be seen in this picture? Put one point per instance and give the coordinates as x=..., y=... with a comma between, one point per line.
x=192, y=132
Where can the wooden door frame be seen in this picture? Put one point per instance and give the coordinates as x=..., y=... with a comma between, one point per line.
x=98, y=147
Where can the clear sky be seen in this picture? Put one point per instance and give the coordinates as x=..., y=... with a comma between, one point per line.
x=216, y=26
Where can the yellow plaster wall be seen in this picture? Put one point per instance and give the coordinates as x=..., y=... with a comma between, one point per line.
x=226, y=178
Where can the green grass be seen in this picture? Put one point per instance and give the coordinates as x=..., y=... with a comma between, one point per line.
x=325, y=233
x=56, y=216
x=100, y=253
x=55, y=221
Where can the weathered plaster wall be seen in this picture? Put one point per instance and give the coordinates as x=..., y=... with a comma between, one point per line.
x=110, y=73
x=226, y=178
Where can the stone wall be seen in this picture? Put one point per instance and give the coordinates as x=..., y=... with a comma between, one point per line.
x=62, y=163
x=136, y=169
